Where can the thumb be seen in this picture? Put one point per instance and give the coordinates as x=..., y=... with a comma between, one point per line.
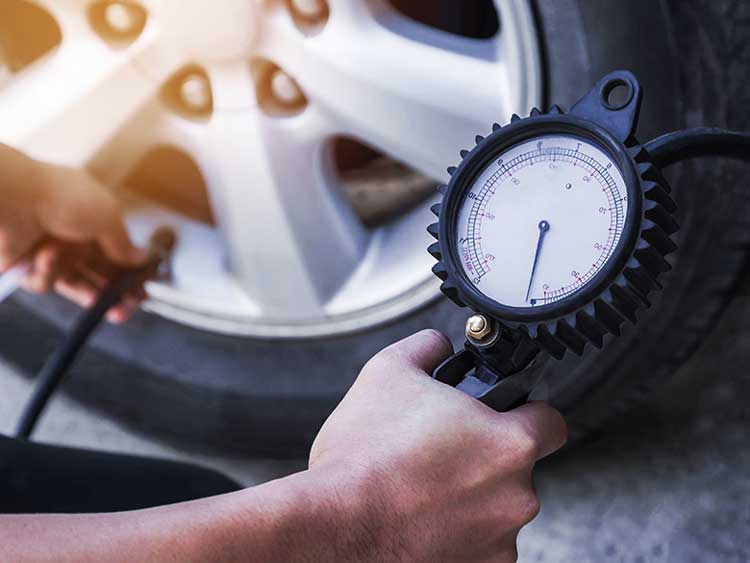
x=116, y=244
x=423, y=350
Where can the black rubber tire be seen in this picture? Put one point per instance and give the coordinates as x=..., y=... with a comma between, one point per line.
x=270, y=398
x=710, y=75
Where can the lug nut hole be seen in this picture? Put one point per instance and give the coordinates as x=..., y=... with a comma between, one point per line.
x=189, y=93
x=278, y=93
x=309, y=15
x=118, y=21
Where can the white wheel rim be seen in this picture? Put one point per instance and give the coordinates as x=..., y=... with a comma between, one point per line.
x=289, y=259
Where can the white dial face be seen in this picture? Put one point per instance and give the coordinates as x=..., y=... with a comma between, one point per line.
x=541, y=220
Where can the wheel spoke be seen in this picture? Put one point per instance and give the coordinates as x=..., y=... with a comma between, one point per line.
x=151, y=126
x=421, y=106
x=66, y=106
x=519, y=53
x=287, y=255
x=352, y=12
x=293, y=241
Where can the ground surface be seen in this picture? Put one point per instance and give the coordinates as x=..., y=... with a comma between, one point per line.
x=670, y=483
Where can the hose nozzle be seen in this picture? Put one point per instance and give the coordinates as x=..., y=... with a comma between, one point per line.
x=161, y=244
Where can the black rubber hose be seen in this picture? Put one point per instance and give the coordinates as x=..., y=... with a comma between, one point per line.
x=674, y=147
x=55, y=368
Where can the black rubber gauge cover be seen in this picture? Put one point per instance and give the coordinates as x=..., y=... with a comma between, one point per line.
x=616, y=293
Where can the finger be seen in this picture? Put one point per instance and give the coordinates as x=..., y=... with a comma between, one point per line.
x=95, y=274
x=77, y=289
x=100, y=265
x=121, y=311
x=424, y=350
x=48, y=263
x=101, y=273
x=124, y=310
x=139, y=294
x=541, y=424
x=120, y=314
x=116, y=244
x=16, y=249
x=32, y=283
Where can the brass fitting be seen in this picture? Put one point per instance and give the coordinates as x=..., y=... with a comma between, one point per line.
x=478, y=328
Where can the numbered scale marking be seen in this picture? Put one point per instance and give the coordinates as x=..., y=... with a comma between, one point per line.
x=541, y=220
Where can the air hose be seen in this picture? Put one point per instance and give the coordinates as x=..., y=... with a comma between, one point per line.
x=674, y=147
x=55, y=368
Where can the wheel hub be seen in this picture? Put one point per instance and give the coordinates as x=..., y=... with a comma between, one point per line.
x=207, y=30
x=264, y=91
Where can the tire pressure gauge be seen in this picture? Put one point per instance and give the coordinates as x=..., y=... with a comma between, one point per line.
x=554, y=230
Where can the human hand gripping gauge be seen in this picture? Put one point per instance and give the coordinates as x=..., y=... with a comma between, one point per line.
x=554, y=229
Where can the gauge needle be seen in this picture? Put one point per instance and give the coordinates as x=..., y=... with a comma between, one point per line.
x=543, y=228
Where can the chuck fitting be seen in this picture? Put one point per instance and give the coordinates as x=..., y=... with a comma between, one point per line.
x=481, y=331
x=161, y=244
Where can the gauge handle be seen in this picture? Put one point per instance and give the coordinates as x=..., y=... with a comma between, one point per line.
x=466, y=371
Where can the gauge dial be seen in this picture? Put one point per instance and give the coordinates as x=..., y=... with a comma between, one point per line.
x=541, y=220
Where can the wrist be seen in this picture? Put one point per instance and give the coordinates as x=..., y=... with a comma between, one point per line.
x=321, y=514
x=349, y=499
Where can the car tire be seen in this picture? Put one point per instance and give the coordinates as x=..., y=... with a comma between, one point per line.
x=265, y=397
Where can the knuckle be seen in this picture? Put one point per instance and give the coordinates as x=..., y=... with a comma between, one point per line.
x=382, y=362
x=317, y=451
x=107, y=210
x=507, y=553
x=106, y=200
x=46, y=257
x=551, y=414
x=524, y=445
x=561, y=427
x=373, y=369
x=435, y=338
x=407, y=354
x=528, y=507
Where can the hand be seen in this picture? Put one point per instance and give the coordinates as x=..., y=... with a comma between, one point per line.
x=70, y=229
x=442, y=476
x=405, y=470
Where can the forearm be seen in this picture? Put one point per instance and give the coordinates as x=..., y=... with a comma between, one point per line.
x=162, y=534
x=297, y=519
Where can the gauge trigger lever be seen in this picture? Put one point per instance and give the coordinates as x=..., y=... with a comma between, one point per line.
x=466, y=371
